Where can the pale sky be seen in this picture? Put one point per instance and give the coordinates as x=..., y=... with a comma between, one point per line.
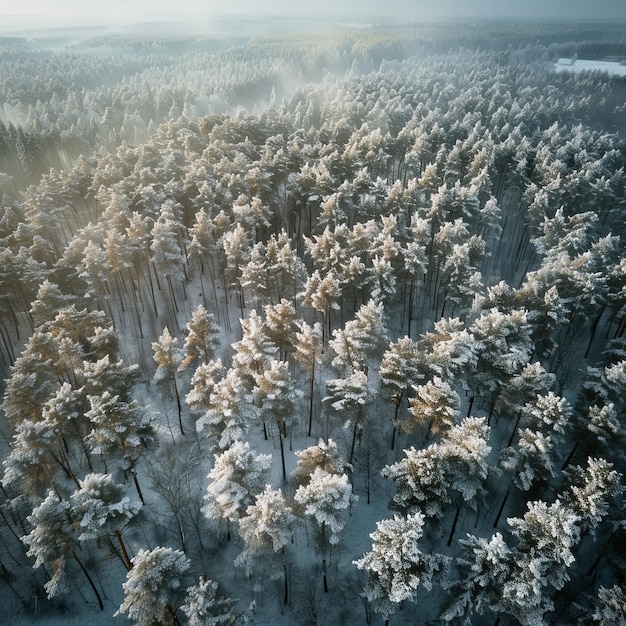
x=411, y=9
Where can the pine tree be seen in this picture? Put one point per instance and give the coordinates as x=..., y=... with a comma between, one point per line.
x=399, y=371
x=421, y=484
x=286, y=273
x=325, y=500
x=396, y=566
x=450, y=351
x=101, y=508
x=532, y=458
x=266, y=531
x=166, y=247
x=347, y=398
x=435, y=403
x=610, y=607
x=523, y=388
x=155, y=586
x=308, y=351
x=535, y=453
x=254, y=350
x=168, y=359
x=204, y=382
x=466, y=451
x=203, y=607
x=51, y=541
x=49, y=301
x=324, y=455
x=323, y=295
x=203, y=245
x=483, y=566
x=592, y=490
x=237, y=477
x=415, y=259
x=546, y=536
x=33, y=379
x=120, y=430
x=236, y=245
x=361, y=339
x=281, y=326
x=504, y=346
x=607, y=432
x=201, y=339
x=274, y=395
x=229, y=411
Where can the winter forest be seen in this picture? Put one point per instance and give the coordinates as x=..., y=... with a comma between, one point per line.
x=316, y=328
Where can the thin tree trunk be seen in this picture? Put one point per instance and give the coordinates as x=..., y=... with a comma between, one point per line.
x=506, y=495
x=354, y=431
x=172, y=294
x=135, y=303
x=120, y=541
x=456, y=519
x=594, y=565
x=137, y=486
x=568, y=460
x=395, y=422
x=311, y=390
x=519, y=416
x=179, y=405
x=411, y=296
x=282, y=455
x=88, y=577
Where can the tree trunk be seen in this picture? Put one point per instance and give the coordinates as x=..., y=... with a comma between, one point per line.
x=135, y=303
x=506, y=495
x=354, y=431
x=519, y=416
x=88, y=577
x=286, y=597
x=311, y=390
x=178, y=404
x=282, y=455
x=172, y=613
x=126, y=559
x=411, y=296
x=395, y=422
x=456, y=519
x=137, y=486
x=568, y=460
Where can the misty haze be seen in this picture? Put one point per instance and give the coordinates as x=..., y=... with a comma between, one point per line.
x=313, y=316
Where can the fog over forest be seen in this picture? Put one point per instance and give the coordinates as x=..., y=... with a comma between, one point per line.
x=313, y=319
x=406, y=10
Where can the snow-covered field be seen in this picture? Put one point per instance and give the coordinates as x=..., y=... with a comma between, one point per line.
x=585, y=65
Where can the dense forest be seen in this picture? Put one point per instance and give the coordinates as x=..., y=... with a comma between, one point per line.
x=323, y=328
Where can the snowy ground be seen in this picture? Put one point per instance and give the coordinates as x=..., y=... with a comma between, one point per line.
x=584, y=65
